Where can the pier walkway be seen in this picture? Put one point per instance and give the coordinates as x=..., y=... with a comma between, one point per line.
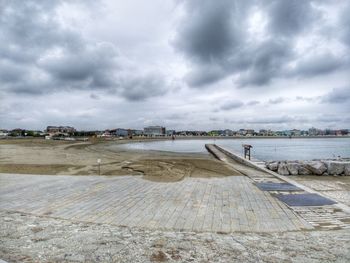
x=316, y=208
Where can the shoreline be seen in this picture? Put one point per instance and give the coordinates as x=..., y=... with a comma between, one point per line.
x=76, y=158
x=78, y=139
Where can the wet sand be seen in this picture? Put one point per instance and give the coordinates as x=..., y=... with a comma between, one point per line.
x=39, y=156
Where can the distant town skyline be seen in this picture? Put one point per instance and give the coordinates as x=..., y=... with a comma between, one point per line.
x=186, y=65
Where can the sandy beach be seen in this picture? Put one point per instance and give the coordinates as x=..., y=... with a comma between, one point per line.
x=38, y=156
x=115, y=218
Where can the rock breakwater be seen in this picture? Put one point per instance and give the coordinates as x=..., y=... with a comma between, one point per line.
x=338, y=167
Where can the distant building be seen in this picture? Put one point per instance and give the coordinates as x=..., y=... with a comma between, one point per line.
x=317, y=132
x=4, y=133
x=228, y=132
x=137, y=132
x=170, y=132
x=250, y=132
x=213, y=133
x=295, y=132
x=154, y=131
x=287, y=133
x=304, y=133
x=280, y=133
x=193, y=133
x=242, y=132
x=119, y=132
x=264, y=132
x=60, y=130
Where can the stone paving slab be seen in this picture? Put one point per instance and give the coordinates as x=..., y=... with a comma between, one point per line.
x=194, y=204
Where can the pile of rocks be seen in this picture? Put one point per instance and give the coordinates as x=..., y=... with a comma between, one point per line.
x=315, y=167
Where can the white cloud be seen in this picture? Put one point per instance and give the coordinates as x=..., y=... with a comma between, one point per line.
x=188, y=65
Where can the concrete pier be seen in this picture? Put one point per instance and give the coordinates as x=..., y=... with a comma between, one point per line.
x=324, y=216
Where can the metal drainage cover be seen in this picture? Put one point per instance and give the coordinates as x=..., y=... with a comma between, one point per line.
x=277, y=187
x=304, y=199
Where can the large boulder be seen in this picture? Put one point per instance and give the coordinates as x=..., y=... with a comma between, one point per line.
x=317, y=167
x=273, y=166
x=347, y=168
x=303, y=170
x=293, y=168
x=335, y=167
x=282, y=169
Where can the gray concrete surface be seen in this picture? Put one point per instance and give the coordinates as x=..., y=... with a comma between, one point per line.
x=29, y=238
x=194, y=204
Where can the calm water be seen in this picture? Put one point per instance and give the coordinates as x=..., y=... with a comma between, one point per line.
x=263, y=149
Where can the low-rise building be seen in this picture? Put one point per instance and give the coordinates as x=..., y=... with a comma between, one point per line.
x=170, y=132
x=119, y=132
x=295, y=132
x=154, y=131
x=60, y=130
x=250, y=132
x=137, y=132
x=4, y=133
x=228, y=132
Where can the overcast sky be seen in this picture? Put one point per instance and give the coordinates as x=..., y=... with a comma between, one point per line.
x=195, y=64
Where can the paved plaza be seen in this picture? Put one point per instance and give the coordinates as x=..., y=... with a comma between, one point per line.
x=194, y=204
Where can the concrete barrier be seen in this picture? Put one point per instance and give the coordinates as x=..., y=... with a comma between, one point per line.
x=241, y=160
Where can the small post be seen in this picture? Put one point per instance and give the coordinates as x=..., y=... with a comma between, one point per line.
x=99, y=166
x=246, y=148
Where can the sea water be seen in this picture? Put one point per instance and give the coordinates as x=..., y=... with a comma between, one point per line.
x=264, y=149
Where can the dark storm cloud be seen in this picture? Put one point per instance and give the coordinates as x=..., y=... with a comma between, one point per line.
x=29, y=28
x=210, y=36
x=314, y=66
x=272, y=120
x=202, y=76
x=345, y=25
x=277, y=100
x=35, y=46
x=267, y=120
x=289, y=17
x=336, y=96
x=11, y=73
x=308, y=99
x=268, y=60
x=94, y=96
x=136, y=88
x=229, y=105
x=215, y=39
x=208, y=29
x=329, y=118
x=253, y=103
x=94, y=65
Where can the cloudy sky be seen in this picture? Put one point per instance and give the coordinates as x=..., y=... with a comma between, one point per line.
x=195, y=64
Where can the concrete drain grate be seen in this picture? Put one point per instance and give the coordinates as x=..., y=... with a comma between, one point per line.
x=269, y=186
x=304, y=199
